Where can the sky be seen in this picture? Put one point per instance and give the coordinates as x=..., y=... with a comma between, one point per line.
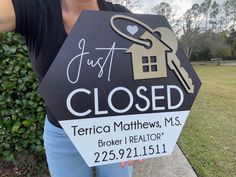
x=179, y=6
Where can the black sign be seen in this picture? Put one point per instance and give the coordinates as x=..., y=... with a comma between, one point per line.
x=115, y=65
x=94, y=62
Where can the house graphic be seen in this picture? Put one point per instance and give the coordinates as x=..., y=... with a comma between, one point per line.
x=150, y=62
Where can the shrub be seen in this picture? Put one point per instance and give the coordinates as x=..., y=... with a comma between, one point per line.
x=21, y=109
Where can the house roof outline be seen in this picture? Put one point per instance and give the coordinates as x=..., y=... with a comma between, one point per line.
x=158, y=49
x=148, y=36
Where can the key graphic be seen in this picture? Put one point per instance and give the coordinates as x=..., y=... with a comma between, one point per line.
x=173, y=61
x=174, y=64
x=146, y=65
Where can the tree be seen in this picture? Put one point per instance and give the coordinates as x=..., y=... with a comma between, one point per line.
x=219, y=47
x=129, y=4
x=230, y=12
x=210, y=44
x=188, y=31
x=221, y=20
x=196, y=15
x=191, y=25
x=165, y=9
x=204, y=9
x=231, y=41
x=214, y=12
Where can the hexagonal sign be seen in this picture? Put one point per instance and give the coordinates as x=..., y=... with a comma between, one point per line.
x=121, y=87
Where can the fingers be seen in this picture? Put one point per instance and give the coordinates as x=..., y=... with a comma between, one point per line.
x=130, y=162
x=122, y=164
x=140, y=161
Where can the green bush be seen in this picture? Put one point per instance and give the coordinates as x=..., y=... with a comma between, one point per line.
x=21, y=109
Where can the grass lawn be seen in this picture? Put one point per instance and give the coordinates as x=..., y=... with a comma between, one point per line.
x=209, y=136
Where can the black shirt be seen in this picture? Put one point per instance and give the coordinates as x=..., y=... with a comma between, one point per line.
x=41, y=23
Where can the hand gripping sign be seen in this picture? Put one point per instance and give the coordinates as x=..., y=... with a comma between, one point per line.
x=120, y=87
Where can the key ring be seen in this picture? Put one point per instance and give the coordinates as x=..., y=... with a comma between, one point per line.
x=142, y=42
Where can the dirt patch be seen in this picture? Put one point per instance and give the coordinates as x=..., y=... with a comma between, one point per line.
x=9, y=170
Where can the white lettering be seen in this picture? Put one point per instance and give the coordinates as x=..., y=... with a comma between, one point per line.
x=131, y=100
x=170, y=106
x=79, y=57
x=155, y=98
x=143, y=97
x=96, y=102
x=68, y=103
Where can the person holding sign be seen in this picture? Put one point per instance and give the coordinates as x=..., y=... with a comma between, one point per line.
x=45, y=25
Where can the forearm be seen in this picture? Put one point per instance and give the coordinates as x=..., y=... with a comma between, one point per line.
x=3, y=26
x=7, y=16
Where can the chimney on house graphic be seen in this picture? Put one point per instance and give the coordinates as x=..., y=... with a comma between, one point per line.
x=149, y=62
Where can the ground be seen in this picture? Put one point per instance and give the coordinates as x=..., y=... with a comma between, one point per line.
x=7, y=170
x=209, y=137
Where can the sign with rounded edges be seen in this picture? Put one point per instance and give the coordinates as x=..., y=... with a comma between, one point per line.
x=121, y=87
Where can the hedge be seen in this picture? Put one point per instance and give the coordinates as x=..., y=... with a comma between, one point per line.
x=22, y=111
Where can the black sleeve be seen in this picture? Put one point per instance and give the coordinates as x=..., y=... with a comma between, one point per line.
x=117, y=7
x=27, y=12
x=121, y=8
